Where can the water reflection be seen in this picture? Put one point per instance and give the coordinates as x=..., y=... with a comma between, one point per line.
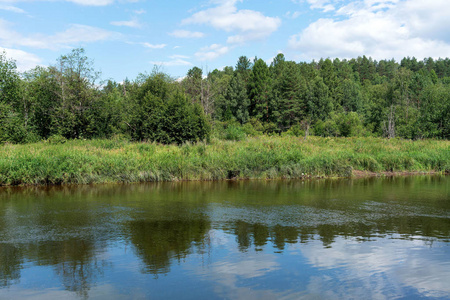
x=376, y=237
x=158, y=243
x=378, y=269
x=10, y=264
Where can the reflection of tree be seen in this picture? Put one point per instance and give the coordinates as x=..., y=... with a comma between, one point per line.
x=74, y=261
x=51, y=215
x=242, y=231
x=257, y=235
x=260, y=233
x=10, y=264
x=157, y=243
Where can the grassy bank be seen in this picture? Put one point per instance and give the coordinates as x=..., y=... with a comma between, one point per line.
x=98, y=161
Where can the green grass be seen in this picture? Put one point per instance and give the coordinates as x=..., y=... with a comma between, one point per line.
x=100, y=161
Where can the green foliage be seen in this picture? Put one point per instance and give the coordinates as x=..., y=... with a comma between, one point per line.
x=341, y=125
x=12, y=128
x=56, y=139
x=319, y=104
x=9, y=80
x=237, y=102
x=235, y=132
x=96, y=161
x=259, y=87
x=296, y=130
x=339, y=98
x=292, y=96
x=161, y=113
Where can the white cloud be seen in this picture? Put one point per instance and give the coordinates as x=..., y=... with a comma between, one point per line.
x=187, y=34
x=175, y=56
x=212, y=52
x=381, y=29
x=24, y=60
x=140, y=11
x=80, y=2
x=171, y=63
x=248, y=24
x=293, y=15
x=324, y=5
x=153, y=46
x=12, y=9
x=71, y=37
x=82, y=33
x=133, y=23
x=92, y=2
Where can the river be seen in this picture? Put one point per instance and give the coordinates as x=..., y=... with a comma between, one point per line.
x=368, y=238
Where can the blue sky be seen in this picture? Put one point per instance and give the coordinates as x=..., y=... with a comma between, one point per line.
x=126, y=37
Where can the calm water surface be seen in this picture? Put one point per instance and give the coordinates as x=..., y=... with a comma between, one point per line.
x=327, y=239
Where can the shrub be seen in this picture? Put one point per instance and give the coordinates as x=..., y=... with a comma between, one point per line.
x=56, y=139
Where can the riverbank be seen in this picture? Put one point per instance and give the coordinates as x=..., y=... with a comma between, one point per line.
x=101, y=161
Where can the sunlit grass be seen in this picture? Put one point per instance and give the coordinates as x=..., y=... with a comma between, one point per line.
x=98, y=161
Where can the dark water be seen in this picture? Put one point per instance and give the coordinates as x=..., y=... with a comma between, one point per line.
x=329, y=239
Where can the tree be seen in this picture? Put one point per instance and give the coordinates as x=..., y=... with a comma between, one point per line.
x=78, y=92
x=319, y=104
x=161, y=112
x=434, y=120
x=261, y=106
x=292, y=95
x=237, y=102
x=9, y=81
x=12, y=125
x=192, y=84
x=43, y=94
x=328, y=73
x=218, y=82
x=348, y=95
x=244, y=66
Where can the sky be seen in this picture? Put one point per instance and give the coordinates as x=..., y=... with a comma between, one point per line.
x=128, y=37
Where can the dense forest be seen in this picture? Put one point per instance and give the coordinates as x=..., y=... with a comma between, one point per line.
x=357, y=97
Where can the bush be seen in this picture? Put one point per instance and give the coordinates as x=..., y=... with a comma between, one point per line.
x=161, y=113
x=235, y=132
x=56, y=139
x=295, y=130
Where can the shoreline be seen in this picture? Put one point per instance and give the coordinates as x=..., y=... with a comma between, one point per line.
x=262, y=157
x=356, y=174
x=362, y=174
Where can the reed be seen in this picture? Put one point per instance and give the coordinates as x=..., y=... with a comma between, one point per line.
x=262, y=157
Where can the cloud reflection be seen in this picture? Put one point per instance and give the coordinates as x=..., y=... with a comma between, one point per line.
x=378, y=269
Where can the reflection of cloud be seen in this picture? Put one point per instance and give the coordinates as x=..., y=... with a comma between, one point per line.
x=227, y=273
x=379, y=267
x=249, y=268
x=100, y=292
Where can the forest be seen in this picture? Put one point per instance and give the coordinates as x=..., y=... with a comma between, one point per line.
x=359, y=97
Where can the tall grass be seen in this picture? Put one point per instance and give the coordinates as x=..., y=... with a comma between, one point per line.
x=99, y=161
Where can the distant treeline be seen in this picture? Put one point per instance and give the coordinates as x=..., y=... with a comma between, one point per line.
x=357, y=97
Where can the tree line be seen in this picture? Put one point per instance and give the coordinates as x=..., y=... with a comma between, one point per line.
x=357, y=97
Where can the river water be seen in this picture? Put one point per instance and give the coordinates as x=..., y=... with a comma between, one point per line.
x=372, y=238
